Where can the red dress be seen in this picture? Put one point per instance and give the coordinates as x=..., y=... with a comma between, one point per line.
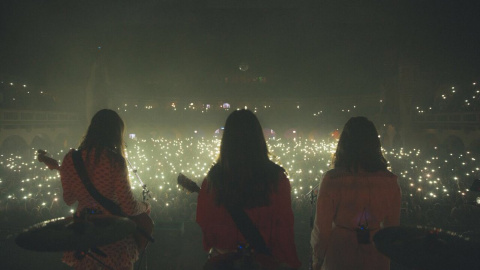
x=275, y=223
x=112, y=182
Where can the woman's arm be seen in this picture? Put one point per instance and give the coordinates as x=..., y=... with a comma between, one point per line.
x=283, y=239
x=393, y=215
x=67, y=175
x=322, y=227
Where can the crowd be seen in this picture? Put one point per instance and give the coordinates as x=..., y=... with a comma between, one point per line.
x=433, y=182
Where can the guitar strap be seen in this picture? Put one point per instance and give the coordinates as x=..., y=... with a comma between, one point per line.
x=248, y=229
x=108, y=204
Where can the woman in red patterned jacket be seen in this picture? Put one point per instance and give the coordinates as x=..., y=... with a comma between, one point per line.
x=102, y=150
x=244, y=177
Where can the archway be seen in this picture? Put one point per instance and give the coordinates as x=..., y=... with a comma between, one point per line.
x=453, y=144
x=15, y=145
x=431, y=141
x=475, y=147
x=62, y=141
x=41, y=141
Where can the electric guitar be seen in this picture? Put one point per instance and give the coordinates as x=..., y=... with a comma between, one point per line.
x=144, y=222
x=51, y=163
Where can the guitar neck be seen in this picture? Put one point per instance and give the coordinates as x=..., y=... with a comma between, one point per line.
x=51, y=163
x=187, y=183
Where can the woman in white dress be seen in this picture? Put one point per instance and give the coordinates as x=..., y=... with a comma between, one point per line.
x=356, y=199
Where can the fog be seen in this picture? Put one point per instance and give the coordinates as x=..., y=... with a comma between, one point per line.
x=174, y=71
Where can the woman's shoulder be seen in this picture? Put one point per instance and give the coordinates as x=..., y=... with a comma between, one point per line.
x=337, y=173
x=68, y=155
x=386, y=174
x=341, y=173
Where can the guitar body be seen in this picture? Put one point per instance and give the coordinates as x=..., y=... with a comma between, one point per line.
x=144, y=232
x=144, y=222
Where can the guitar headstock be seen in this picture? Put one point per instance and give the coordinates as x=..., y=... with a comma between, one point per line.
x=187, y=183
x=51, y=163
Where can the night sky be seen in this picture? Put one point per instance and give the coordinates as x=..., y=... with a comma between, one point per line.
x=190, y=48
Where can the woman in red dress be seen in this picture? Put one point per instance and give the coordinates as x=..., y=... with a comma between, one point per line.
x=356, y=199
x=102, y=150
x=244, y=177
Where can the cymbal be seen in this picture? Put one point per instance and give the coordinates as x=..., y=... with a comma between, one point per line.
x=63, y=234
x=428, y=248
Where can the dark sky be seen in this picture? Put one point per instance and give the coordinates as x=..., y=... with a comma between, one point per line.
x=179, y=47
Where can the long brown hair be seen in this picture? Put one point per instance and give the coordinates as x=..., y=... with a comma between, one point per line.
x=359, y=147
x=105, y=134
x=243, y=174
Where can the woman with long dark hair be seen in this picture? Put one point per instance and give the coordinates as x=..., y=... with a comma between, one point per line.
x=244, y=177
x=356, y=199
x=102, y=151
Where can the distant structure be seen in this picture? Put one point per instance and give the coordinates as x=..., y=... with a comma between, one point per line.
x=98, y=90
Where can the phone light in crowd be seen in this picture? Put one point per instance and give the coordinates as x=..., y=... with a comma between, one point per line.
x=132, y=136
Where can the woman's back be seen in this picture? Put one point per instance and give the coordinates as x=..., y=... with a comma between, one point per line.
x=347, y=200
x=376, y=192
x=274, y=222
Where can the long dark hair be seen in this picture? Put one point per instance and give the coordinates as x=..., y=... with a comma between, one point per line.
x=359, y=147
x=105, y=134
x=243, y=174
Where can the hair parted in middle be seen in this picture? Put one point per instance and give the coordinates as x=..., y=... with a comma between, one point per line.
x=105, y=132
x=359, y=147
x=243, y=173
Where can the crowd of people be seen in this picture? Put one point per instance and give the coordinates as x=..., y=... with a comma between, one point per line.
x=435, y=184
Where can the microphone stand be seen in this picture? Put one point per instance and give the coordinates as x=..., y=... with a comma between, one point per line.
x=145, y=193
x=312, y=194
x=145, y=196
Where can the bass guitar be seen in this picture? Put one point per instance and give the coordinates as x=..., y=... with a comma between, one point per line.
x=144, y=222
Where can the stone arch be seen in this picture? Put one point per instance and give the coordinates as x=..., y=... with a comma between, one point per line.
x=41, y=141
x=474, y=146
x=14, y=144
x=454, y=144
x=62, y=141
x=431, y=140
